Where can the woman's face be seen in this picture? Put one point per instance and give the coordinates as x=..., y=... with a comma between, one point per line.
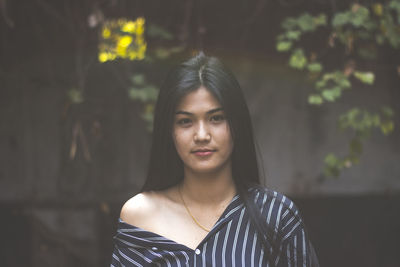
x=201, y=133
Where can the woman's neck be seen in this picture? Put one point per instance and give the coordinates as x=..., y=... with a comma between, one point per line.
x=208, y=189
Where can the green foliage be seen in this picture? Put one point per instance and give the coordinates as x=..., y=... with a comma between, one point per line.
x=329, y=87
x=314, y=67
x=332, y=94
x=298, y=59
x=358, y=16
x=303, y=23
x=122, y=38
x=365, y=77
x=283, y=46
x=395, y=5
x=315, y=100
x=360, y=29
x=141, y=88
x=144, y=92
x=75, y=96
x=362, y=123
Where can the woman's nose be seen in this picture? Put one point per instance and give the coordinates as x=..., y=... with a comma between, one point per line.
x=202, y=133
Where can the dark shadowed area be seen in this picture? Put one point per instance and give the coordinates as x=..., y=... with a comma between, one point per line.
x=68, y=162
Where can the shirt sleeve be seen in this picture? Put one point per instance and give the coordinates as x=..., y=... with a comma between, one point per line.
x=115, y=260
x=296, y=248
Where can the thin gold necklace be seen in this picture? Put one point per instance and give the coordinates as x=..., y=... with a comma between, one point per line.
x=188, y=211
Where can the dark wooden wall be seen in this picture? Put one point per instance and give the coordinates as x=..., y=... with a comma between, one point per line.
x=62, y=211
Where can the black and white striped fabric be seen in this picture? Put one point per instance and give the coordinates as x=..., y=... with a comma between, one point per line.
x=232, y=241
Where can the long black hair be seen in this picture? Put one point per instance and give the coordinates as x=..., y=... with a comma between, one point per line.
x=166, y=168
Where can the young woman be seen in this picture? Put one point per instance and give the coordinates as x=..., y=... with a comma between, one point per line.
x=202, y=203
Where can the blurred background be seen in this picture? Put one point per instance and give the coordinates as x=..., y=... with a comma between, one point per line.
x=78, y=80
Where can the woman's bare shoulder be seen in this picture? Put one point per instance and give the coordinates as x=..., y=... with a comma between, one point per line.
x=144, y=209
x=138, y=209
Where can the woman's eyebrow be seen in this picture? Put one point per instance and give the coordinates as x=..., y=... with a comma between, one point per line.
x=214, y=110
x=189, y=113
x=183, y=112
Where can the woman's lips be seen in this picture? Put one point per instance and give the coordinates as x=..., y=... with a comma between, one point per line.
x=203, y=153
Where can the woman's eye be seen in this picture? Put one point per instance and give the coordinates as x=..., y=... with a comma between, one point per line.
x=217, y=118
x=184, y=121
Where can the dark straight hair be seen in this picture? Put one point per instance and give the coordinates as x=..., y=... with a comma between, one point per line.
x=165, y=166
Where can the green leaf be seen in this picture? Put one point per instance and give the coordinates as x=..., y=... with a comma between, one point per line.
x=349, y=118
x=360, y=16
x=331, y=160
x=151, y=93
x=145, y=94
x=283, y=46
x=298, y=59
x=387, y=127
x=75, y=96
x=365, y=77
x=337, y=79
x=293, y=35
x=392, y=33
x=136, y=94
x=331, y=94
x=395, y=4
x=306, y=22
x=342, y=80
x=340, y=19
x=333, y=165
x=320, y=19
x=320, y=84
x=138, y=79
x=314, y=67
x=315, y=100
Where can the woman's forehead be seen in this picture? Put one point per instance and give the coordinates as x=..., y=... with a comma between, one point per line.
x=200, y=99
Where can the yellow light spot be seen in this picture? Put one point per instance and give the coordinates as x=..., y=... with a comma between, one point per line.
x=140, y=21
x=122, y=38
x=125, y=41
x=132, y=55
x=106, y=33
x=139, y=30
x=112, y=56
x=129, y=27
x=103, y=57
x=121, y=51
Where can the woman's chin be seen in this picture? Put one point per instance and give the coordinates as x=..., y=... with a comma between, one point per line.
x=210, y=169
